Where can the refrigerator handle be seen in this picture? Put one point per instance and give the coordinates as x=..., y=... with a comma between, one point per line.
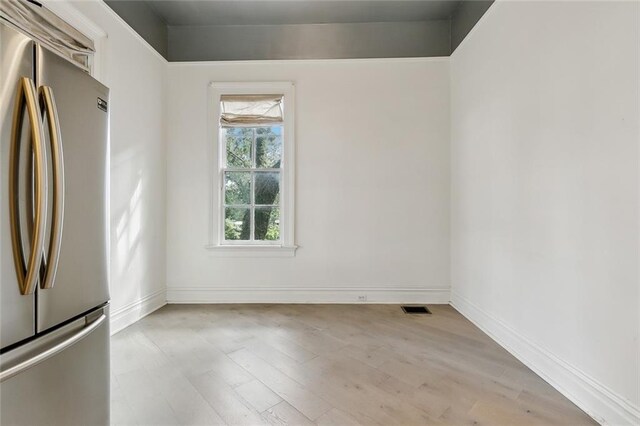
x=42, y=356
x=27, y=272
x=50, y=109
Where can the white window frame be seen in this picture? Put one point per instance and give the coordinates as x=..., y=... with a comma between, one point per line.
x=286, y=246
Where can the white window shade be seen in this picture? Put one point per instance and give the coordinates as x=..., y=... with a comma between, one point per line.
x=251, y=110
x=49, y=29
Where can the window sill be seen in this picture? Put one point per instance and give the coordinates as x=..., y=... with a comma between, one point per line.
x=252, y=251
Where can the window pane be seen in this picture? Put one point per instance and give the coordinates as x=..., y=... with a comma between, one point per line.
x=267, y=223
x=238, y=142
x=237, y=223
x=267, y=188
x=269, y=147
x=237, y=186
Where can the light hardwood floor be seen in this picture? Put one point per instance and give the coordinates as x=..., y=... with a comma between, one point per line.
x=324, y=365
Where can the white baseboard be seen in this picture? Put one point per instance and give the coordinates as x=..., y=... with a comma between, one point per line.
x=602, y=404
x=306, y=295
x=135, y=311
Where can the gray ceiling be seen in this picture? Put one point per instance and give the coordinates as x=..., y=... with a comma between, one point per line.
x=210, y=30
x=245, y=12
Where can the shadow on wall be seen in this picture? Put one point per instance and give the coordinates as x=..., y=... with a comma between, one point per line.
x=127, y=213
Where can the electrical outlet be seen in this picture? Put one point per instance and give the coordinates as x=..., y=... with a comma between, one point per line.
x=362, y=298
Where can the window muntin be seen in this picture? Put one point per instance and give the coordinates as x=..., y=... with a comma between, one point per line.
x=251, y=183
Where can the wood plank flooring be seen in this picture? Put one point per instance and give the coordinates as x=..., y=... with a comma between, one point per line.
x=322, y=365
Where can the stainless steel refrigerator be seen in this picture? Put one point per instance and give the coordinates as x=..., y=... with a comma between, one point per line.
x=54, y=294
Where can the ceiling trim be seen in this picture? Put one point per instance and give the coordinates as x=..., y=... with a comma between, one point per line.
x=421, y=59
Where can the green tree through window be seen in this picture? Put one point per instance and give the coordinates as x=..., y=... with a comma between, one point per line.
x=252, y=183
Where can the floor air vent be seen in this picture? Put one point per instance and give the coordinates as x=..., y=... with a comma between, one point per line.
x=416, y=310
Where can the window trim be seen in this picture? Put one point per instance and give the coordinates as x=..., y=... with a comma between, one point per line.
x=216, y=243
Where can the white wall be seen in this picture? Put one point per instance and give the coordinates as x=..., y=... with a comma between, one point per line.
x=372, y=184
x=545, y=193
x=136, y=76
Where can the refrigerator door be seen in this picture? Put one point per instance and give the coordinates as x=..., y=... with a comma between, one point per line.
x=61, y=378
x=17, y=311
x=80, y=102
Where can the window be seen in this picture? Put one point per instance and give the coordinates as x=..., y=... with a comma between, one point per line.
x=253, y=132
x=251, y=188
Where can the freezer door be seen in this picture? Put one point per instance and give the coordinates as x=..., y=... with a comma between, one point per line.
x=17, y=311
x=81, y=104
x=59, y=379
